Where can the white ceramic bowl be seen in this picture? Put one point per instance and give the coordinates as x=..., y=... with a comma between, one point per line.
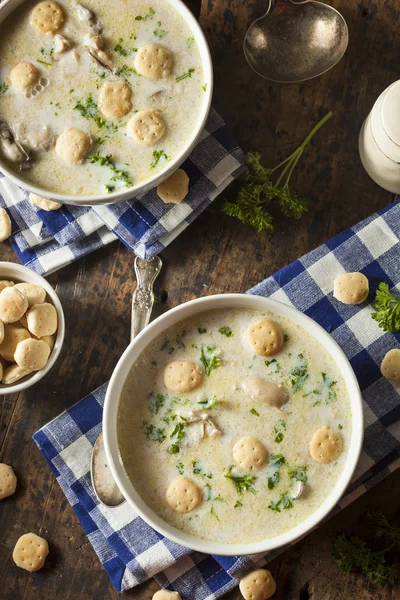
x=123, y=368
x=8, y=6
x=18, y=273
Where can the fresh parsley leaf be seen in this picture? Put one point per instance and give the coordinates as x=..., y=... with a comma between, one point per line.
x=351, y=553
x=226, y=331
x=202, y=330
x=260, y=193
x=243, y=483
x=329, y=391
x=275, y=463
x=387, y=309
x=208, y=402
x=177, y=435
x=213, y=513
x=209, y=361
x=254, y=412
x=180, y=467
x=273, y=362
x=204, y=87
x=208, y=492
x=126, y=72
x=106, y=161
x=282, y=503
x=109, y=188
x=120, y=49
x=238, y=504
x=382, y=529
x=340, y=427
x=299, y=373
x=44, y=62
x=299, y=474
x=185, y=75
x=189, y=42
x=196, y=468
x=279, y=428
x=156, y=402
x=153, y=433
x=3, y=88
x=157, y=155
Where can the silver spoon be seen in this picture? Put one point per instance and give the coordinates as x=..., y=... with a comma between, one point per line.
x=296, y=41
x=103, y=483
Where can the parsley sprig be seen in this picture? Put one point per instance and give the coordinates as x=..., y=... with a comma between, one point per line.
x=185, y=75
x=209, y=360
x=387, y=309
x=260, y=192
x=105, y=161
x=3, y=88
x=243, y=483
x=157, y=156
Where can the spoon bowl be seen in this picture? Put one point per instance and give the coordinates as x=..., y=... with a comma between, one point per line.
x=296, y=41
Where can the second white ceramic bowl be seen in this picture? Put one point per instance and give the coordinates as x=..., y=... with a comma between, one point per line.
x=19, y=273
x=123, y=368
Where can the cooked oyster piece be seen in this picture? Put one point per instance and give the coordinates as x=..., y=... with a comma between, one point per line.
x=61, y=46
x=36, y=137
x=208, y=425
x=88, y=17
x=298, y=490
x=11, y=148
x=95, y=46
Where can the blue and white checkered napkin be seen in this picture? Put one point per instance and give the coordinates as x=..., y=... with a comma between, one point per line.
x=47, y=241
x=129, y=549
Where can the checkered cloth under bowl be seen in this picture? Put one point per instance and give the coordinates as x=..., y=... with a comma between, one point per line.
x=129, y=549
x=47, y=241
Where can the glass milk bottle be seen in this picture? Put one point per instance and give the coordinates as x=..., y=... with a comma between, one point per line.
x=379, y=140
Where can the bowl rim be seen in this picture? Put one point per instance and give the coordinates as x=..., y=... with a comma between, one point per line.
x=10, y=271
x=190, y=309
x=145, y=186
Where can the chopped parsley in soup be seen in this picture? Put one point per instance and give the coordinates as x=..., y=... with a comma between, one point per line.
x=92, y=95
x=234, y=425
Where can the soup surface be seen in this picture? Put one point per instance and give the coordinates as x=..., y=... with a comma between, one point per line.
x=70, y=85
x=160, y=438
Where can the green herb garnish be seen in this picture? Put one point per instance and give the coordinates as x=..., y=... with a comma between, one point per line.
x=3, y=88
x=197, y=470
x=259, y=193
x=105, y=161
x=210, y=362
x=208, y=402
x=242, y=483
x=180, y=467
x=387, y=309
x=157, y=155
x=45, y=63
x=202, y=330
x=276, y=461
x=299, y=474
x=204, y=87
x=213, y=513
x=126, y=71
x=238, y=504
x=279, y=428
x=158, y=32
x=120, y=49
x=283, y=503
x=340, y=427
x=153, y=433
x=109, y=188
x=254, y=412
x=185, y=75
x=274, y=362
x=178, y=434
x=329, y=385
x=299, y=373
x=156, y=402
x=149, y=15
x=226, y=331
x=189, y=42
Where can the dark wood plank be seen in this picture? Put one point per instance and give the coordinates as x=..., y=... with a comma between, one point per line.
x=216, y=254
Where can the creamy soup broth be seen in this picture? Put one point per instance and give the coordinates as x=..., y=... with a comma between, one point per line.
x=148, y=417
x=76, y=80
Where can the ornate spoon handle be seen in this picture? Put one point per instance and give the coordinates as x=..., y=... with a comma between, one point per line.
x=143, y=298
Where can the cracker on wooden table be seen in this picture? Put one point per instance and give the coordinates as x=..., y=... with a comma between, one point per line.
x=390, y=367
x=175, y=188
x=13, y=334
x=326, y=445
x=115, y=99
x=8, y=481
x=184, y=495
x=42, y=319
x=351, y=288
x=13, y=305
x=249, y=453
x=32, y=354
x=154, y=61
x=73, y=145
x=44, y=203
x=30, y=552
x=5, y=227
x=47, y=17
x=147, y=126
x=23, y=76
x=166, y=595
x=33, y=292
x=265, y=337
x=182, y=376
x=257, y=585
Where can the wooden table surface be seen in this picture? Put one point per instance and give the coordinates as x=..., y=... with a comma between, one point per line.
x=216, y=254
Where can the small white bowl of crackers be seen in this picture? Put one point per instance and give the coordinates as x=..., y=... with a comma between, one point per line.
x=31, y=327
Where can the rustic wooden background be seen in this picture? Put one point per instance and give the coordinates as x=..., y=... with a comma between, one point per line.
x=217, y=254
